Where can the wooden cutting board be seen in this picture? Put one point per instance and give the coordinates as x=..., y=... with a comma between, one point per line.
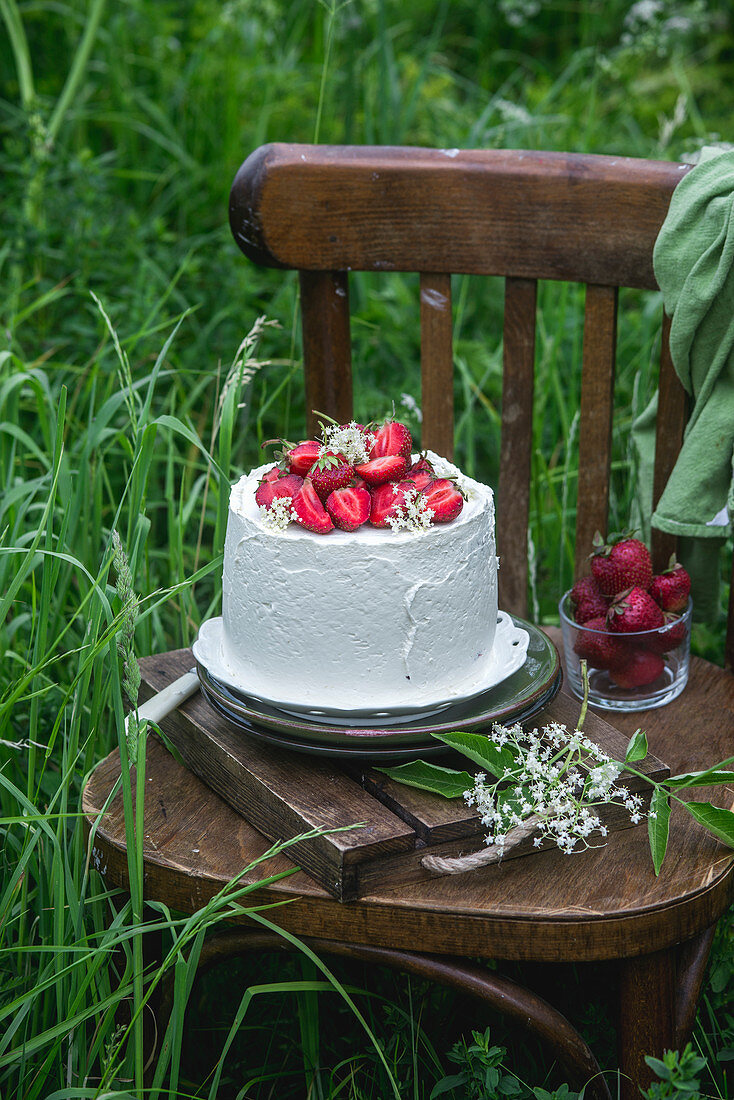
x=377, y=830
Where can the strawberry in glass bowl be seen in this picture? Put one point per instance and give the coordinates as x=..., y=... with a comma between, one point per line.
x=631, y=626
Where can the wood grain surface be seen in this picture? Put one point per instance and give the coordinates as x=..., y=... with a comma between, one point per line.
x=595, y=426
x=604, y=903
x=437, y=363
x=513, y=493
x=372, y=829
x=333, y=208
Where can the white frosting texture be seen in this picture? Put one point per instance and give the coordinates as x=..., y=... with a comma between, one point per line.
x=369, y=619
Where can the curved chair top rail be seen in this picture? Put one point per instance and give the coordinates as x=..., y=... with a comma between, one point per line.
x=591, y=218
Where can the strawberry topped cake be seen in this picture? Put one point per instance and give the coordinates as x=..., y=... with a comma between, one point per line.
x=359, y=574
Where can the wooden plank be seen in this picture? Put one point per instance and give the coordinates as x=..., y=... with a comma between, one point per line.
x=526, y=214
x=437, y=364
x=389, y=826
x=595, y=428
x=604, y=904
x=286, y=795
x=513, y=496
x=671, y=423
x=327, y=355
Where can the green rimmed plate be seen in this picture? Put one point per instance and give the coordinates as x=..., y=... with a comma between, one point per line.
x=517, y=699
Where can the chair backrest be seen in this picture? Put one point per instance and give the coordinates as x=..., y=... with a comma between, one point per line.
x=329, y=210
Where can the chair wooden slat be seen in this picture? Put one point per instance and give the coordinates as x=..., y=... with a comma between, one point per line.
x=595, y=429
x=671, y=422
x=513, y=494
x=327, y=355
x=437, y=364
x=478, y=211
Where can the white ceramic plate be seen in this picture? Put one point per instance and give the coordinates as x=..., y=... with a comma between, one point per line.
x=508, y=655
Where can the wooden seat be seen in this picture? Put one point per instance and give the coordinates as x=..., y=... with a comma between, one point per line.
x=526, y=216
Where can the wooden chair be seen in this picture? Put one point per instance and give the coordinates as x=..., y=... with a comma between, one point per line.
x=327, y=211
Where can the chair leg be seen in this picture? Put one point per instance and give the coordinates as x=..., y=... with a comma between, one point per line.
x=692, y=960
x=646, y=1017
x=518, y=1004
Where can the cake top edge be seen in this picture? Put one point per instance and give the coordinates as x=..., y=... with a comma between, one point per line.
x=478, y=497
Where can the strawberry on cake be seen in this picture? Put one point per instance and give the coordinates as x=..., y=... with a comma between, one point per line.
x=359, y=575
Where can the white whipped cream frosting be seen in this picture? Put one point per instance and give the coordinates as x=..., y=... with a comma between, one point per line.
x=368, y=619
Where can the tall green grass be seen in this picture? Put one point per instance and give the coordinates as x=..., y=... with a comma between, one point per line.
x=137, y=377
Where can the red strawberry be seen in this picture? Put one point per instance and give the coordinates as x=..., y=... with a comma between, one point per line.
x=620, y=564
x=633, y=611
x=329, y=472
x=270, y=488
x=444, y=500
x=378, y=471
x=393, y=438
x=598, y=646
x=670, y=636
x=422, y=464
x=273, y=474
x=310, y=512
x=587, y=600
x=349, y=507
x=640, y=668
x=302, y=457
x=387, y=502
x=671, y=588
x=420, y=478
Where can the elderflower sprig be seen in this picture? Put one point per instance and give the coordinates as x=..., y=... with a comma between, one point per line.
x=278, y=514
x=412, y=514
x=558, y=781
x=349, y=440
x=557, y=784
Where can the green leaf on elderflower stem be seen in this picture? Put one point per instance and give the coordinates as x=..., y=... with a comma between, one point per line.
x=479, y=748
x=657, y=826
x=431, y=777
x=637, y=748
x=717, y=821
x=710, y=778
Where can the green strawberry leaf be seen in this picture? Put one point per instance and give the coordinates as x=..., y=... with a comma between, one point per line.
x=717, y=821
x=637, y=748
x=657, y=826
x=431, y=777
x=479, y=748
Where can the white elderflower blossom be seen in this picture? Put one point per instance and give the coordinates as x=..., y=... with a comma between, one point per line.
x=413, y=513
x=278, y=515
x=554, y=787
x=349, y=440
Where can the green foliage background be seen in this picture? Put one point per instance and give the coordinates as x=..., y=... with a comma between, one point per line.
x=122, y=124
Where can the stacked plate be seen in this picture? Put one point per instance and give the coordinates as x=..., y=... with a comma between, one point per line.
x=528, y=684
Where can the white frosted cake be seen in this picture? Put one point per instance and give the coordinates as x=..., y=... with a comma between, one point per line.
x=367, y=619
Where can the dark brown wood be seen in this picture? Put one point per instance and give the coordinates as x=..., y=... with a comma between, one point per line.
x=671, y=423
x=327, y=355
x=602, y=904
x=437, y=364
x=525, y=216
x=524, y=1008
x=379, y=830
x=513, y=497
x=490, y=211
x=691, y=962
x=595, y=427
x=647, y=1017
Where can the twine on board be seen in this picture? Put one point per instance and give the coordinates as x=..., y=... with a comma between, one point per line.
x=445, y=865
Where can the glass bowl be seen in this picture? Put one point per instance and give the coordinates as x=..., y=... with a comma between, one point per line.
x=635, y=671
